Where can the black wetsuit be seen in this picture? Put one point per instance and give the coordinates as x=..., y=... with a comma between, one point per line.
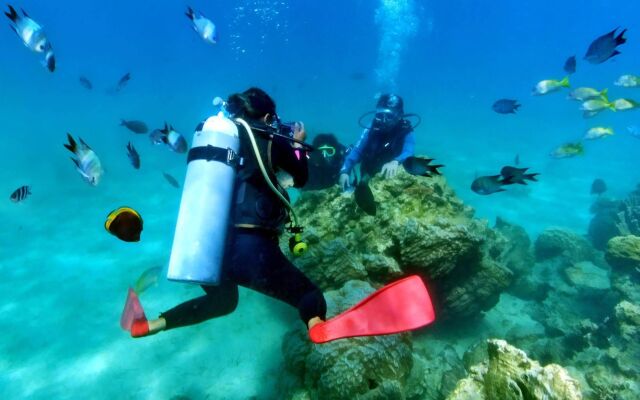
x=253, y=258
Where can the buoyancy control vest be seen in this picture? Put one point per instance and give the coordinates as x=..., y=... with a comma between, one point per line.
x=382, y=147
x=255, y=204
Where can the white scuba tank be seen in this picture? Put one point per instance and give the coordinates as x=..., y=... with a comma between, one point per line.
x=201, y=229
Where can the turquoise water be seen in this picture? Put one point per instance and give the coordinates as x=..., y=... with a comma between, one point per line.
x=64, y=279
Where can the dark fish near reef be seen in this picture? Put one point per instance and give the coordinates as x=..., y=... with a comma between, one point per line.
x=123, y=82
x=364, y=198
x=20, y=194
x=169, y=136
x=148, y=278
x=604, y=47
x=135, y=126
x=125, y=223
x=86, y=83
x=486, y=185
x=421, y=166
x=598, y=187
x=32, y=36
x=570, y=65
x=511, y=175
x=133, y=155
x=517, y=159
x=172, y=181
x=506, y=106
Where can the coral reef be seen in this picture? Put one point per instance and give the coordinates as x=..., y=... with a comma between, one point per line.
x=364, y=368
x=623, y=254
x=564, y=244
x=615, y=218
x=510, y=374
x=420, y=227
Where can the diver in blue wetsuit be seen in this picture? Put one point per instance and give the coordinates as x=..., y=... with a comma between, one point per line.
x=252, y=256
x=384, y=145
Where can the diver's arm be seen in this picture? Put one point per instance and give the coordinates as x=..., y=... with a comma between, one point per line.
x=355, y=155
x=408, y=147
x=292, y=160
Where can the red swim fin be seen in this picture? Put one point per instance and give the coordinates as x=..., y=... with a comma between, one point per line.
x=398, y=307
x=132, y=312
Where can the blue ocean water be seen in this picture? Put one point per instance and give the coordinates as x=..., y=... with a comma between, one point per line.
x=63, y=278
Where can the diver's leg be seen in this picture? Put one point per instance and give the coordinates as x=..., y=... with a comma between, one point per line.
x=262, y=266
x=218, y=301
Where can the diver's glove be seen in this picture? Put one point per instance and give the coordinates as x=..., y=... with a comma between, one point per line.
x=390, y=169
x=344, y=181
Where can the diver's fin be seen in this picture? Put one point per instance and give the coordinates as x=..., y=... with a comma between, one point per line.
x=398, y=307
x=132, y=312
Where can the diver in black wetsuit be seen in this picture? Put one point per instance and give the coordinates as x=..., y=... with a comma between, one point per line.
x=253, y=258
x=325, y=162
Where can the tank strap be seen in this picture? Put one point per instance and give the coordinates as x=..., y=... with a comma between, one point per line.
x=212, y=153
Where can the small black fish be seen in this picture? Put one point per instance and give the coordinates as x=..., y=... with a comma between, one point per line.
x=135, y=126
x=86, y=83
x=20, y=194
x=123, y=82
x=134, y=157
x=604, y=47
x=511, y=175
x=421, y=166
x=570, y=65
x=486, y=185
x=506, y=106
x=172, y=181
x=364, y=198
x=598, y=187
x=517, y=159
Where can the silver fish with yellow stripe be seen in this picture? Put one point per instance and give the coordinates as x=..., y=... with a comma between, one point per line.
x=86, y=161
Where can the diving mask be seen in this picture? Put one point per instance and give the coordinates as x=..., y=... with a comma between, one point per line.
x=386, y=118
x=327, y=151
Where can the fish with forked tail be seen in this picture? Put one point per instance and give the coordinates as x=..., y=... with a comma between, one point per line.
x=86, y=161
x=32, y=36
x=133, y=155
x=605, y=47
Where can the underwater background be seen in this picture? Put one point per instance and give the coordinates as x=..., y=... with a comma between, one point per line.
x=64, y=279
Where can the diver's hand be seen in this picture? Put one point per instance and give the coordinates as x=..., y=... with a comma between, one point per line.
x=390, y=169
x=344, y=181
x=299, y=133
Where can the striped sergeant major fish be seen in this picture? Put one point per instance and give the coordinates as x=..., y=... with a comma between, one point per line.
x=86, y=161
x=20, y=194
x=32, y=36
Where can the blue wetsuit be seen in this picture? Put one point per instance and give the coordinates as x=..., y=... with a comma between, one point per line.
x=374, y=149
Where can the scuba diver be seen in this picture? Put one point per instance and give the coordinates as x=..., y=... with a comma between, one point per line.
x=254, y=150
x=252, y=257
x=385, y=143
x=325, y=161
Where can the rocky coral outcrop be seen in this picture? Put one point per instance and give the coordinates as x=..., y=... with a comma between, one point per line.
x=615, y=218
x=420, y=227
x=563, y=243
x=364, y=368
x=510, y=374
x=623, y=253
